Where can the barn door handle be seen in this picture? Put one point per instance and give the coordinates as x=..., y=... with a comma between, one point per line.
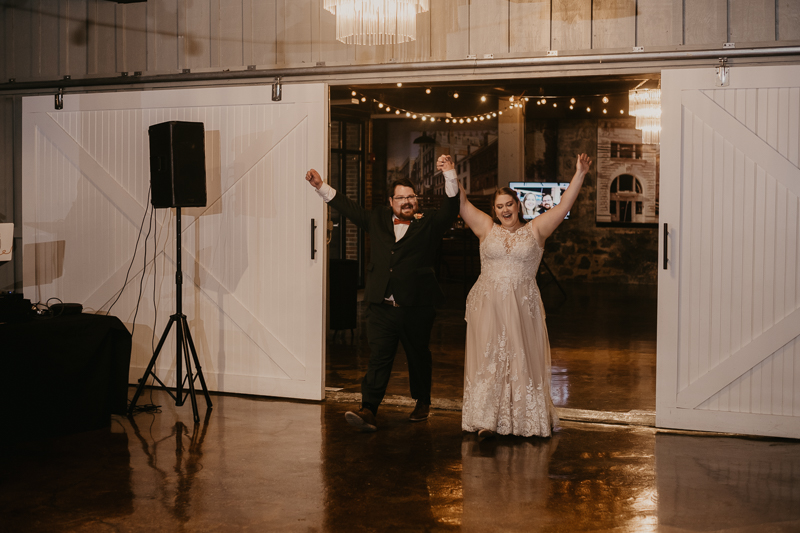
x=666, y=234
x=313, y=242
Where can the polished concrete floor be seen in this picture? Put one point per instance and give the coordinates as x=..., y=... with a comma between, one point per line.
x=256, y=464
x=268, y=465
x=602, y=337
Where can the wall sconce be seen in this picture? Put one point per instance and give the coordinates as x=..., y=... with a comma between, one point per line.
x=60, y=99
x=277, y=90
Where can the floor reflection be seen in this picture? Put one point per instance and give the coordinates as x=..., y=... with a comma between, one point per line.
x=267, y=465
x=736, y=483
x=178, y=476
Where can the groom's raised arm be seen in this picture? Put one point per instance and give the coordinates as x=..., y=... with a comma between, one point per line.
x=340, y=202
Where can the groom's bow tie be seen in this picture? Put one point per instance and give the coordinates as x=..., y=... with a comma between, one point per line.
x=398, y=221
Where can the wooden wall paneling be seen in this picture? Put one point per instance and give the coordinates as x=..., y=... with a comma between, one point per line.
x=194, y=21
x=655, y=23
x=419, y=49
x=327, y=48
x=162, y=42
x=230, y=42
x=49, y=51
x=294, y=33
x=528, y=26
x=788, y=17
x=449, y=29
x=572, y=25
x=751, y=21
x=705, y=22
x=100, y=37
x=131, y=37
x=262, y=30
x=488, y=27
x=265, y=45
x=613, y=24
x=23, y=38
x=74, y=37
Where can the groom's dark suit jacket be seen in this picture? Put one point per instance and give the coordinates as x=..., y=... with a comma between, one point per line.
x=404, y=269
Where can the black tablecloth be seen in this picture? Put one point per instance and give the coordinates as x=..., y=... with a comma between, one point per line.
x=63, y=374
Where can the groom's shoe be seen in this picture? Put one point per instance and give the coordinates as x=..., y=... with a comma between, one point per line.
x=363, y=419
x=421, y=412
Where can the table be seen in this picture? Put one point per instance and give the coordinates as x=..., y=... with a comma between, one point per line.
x=62, y=375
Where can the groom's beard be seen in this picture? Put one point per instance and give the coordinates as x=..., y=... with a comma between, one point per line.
x=404, y=214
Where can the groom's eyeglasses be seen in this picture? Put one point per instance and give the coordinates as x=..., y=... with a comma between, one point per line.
x=404, y=198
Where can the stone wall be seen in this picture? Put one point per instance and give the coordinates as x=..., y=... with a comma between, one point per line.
x=581, y=251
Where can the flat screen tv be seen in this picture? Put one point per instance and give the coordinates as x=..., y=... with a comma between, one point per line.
x=538, y=196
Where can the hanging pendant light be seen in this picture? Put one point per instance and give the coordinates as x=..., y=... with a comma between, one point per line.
x=645, y=105
x=373, y=22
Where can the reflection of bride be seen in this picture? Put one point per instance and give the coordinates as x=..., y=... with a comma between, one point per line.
x=521, y=467
x=529, y=205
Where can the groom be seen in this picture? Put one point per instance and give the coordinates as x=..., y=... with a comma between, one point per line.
x=401, y=286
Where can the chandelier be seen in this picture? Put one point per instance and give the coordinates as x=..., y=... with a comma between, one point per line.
x=645, y=105
x=373, y=22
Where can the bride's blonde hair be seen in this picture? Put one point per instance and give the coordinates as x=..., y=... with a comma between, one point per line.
x=508, y=192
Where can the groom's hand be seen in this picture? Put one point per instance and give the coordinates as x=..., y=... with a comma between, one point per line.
x=313, y=177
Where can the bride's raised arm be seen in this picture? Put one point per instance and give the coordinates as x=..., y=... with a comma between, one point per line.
x=479, y=222
x=546, y=223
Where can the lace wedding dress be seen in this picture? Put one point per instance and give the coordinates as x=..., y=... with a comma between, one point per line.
x=507, y=366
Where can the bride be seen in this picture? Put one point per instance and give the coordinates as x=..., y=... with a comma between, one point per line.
x=507, y=365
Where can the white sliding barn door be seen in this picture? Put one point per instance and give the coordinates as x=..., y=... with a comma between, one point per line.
x=729, y=298
x=252, y=292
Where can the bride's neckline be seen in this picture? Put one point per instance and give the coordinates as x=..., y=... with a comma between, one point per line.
x=516, y=229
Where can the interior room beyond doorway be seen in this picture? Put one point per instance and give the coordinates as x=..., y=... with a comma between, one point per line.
x=599, y=282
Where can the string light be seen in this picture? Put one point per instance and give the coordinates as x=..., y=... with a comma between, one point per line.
x=588, y=109
x=604, y=111
x=363, y=98
x=483, y=98
x=455, y=95
x=605, y=99
x=353, y=93
x=428, y=91
x=380, y=105
x=571, y=100
x=399, y=83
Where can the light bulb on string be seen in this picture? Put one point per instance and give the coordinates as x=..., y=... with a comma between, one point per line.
x=424, y=119
x=511, y=98
x=555, y=104
x=538, y=102
x=499, y=112
x=469, y=120
x=621, y=112
x=353, y=93
x=380, y=105
x=544, y=101
x=363, y=98
x=408, y=114
x=571, y=100
x=447, y=121
x=388, y=108
x=572, y=107
x=397, y=112
x=526, y=98
x=455, y=95
x=605, y=99
x=494, y=114
x=482, y=118
x=399, y=83
x=483, y=98
x=413, y=116
x=428, y=90
x=461, y=121
x=588, y=109
x=605, y=111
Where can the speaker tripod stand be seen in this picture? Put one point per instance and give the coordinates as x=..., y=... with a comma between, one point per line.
x=184, y=348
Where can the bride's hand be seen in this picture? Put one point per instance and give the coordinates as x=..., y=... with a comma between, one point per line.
x=583, y=164
x=444, y=163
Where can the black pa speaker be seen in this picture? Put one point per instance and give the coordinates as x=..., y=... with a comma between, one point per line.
x=177, y=164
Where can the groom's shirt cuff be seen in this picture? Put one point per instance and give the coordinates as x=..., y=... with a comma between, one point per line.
x=327, y=192
x=450, y=183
